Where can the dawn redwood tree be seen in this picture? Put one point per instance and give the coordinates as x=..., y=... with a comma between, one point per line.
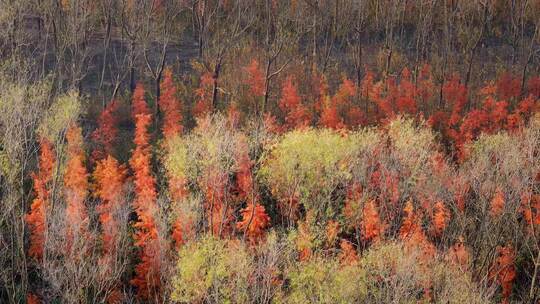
x=170, y=106
x=36, y=217
x=296, y=114
x=147, y=272
x=106, y=133
x=255, y=80
x=203, y=95
x=372, y=228
x=76, y=189
x=109, y=177
x=441, y=218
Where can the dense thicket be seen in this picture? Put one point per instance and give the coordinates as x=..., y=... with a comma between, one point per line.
x=269, y=151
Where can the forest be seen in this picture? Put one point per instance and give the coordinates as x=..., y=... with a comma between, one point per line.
x=269, y=151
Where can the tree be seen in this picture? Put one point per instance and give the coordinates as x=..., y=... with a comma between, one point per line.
x=296, y=115
x=37, y=216
x=110, y=177
x=147, y=272
x=76, y=190
x=372, y=228
x=170, y=106
x=107, y=131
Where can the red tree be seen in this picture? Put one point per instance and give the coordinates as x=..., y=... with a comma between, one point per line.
x=76, y=187
x=254, y=221
x=255, y=79
x=36, y=217
x=372, y=227
x=204, y=96
x=110, y=177
x=170, y=106
x=296, y=114
x=147, y=273
x=105, y=134
x=504, y=271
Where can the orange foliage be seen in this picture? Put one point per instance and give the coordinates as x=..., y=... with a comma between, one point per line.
x=204, y=96
x=332, y=230
x=504, y=271
x=76, y=186
x=412, y=233
x=244, y=178
x=530, y=207
x=441, y=217
x=105, y=134
x=330, y=118
x=409, y=224
x=32, y=299
x=497, y=203
x=147, y=272
x=296, y=114
x=36, y=217
x=170, y=106
x=348, y=254
x=255, y=78
x=138, y=103
x=110, y=177
x=372, y=227
x=254, y=221
x=182, y=230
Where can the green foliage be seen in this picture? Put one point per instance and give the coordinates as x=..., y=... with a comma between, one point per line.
x=63, y=112
x=388, y=273
x=321, y=280
x=176, y=158
x=210, y=147
x=309, y=165
x=212, y=271
x=395, y=274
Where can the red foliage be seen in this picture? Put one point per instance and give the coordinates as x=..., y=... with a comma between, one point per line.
x=296, y=114
x=36, y=217
x=330, y=118
x=170, y=106
x=110, y=177
x=372, y=227
x=441, y=217
x=412, y=233
x=76, y=186
x=497, y=203
x=530, y=207
x=504, y=271
x=406, y=100
x=455, y=93
x=32, y=299
x=182, y=230
x=147, y=272
x=138, y=103
x=355, y=117
x=254, y=221
x=255, y=78
x=244, y=177
x=105, y=134
x=203, y=94
x=348, y=254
